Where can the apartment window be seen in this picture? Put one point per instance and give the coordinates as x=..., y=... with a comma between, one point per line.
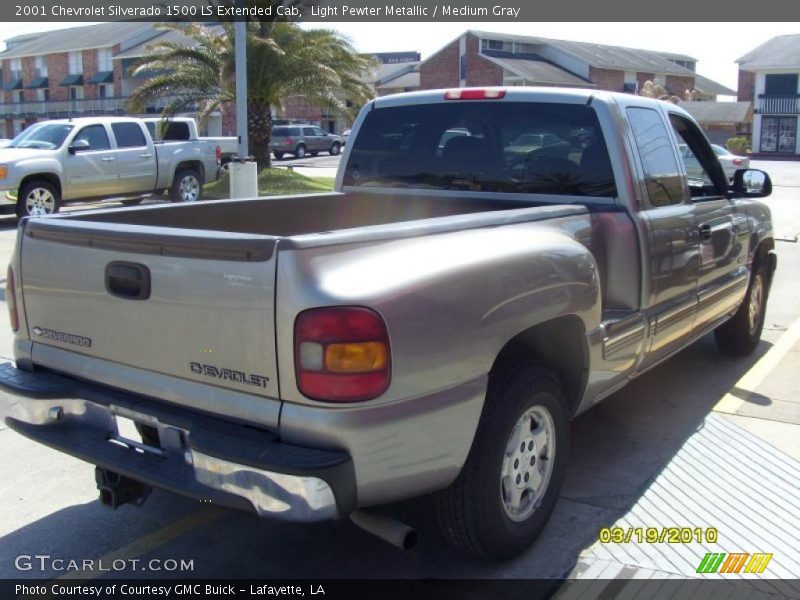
x=16, y=96
x=43, y=94
x=780, y=84
x=104, y=60
x=76, y=92
x=41, y=66
x=15, y=67
x=106, y=90
x=75, y=60
x=492, y=44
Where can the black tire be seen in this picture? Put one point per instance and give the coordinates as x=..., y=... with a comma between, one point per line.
x=38, y=198
x=278, y=155
x=739, y=335
x=335, y=149
x=472, y=512
x=133, y=202
x=186, y=180
x=300, y=151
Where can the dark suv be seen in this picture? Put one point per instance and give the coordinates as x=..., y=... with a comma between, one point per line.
x=303, y=139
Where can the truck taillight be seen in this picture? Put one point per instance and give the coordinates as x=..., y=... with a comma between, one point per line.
x=11, y=299
x=218, y=154
x=341, y=354
x=475, y=94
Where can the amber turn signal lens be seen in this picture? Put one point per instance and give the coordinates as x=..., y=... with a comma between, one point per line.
x=360, y=357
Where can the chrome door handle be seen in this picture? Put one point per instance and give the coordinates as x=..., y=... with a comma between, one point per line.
x=145, y=155
x=107, y=159
x=705, y=231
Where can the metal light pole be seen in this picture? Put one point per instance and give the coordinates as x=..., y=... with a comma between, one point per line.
x=243, y=172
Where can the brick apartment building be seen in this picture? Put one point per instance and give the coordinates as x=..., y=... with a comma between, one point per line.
x=769, y=77
x=76, y=72
x=480, y=58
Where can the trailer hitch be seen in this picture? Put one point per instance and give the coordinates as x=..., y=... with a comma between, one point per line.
x=116, y=489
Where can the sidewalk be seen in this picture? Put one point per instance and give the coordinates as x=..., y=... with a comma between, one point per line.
x=738, y=473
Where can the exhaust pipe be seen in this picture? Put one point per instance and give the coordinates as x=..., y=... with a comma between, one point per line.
x=396, y=533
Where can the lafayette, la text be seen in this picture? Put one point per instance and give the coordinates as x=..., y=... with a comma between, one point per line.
x=443, y=10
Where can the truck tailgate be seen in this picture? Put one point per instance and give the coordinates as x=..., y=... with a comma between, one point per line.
x=208, y=315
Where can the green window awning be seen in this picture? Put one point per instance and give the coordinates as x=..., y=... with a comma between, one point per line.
x=102, y=77
x=14, y=84
x=39, y=82
x=73, y=80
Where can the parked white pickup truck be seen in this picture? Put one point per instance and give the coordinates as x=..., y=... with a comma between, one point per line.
x=100, y=158
x=176, y=129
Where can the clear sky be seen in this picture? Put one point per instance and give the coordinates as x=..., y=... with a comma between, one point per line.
x=715, y=45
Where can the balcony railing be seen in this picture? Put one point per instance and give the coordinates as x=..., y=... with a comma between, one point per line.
x=785, y=104
x=60, y=109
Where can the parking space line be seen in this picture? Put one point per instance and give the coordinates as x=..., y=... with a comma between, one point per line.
x=748, y=383
x=148, y=543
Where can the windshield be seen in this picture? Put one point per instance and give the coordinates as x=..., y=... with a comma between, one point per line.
x=43, y=136
x=515, y=147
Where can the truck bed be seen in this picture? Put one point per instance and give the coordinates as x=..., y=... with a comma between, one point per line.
x=286, y=216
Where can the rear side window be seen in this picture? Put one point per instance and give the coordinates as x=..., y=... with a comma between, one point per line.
x=129, y=135
x=515, y=147
x=176, y=131
x=663, y=180
x=280, y=132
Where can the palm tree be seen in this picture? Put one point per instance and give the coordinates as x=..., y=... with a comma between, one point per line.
x=282, y=60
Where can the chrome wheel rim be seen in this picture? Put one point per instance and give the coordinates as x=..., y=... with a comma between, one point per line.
x=527, y=463
x=40, y=201
x=190, y=188
x=756, y=304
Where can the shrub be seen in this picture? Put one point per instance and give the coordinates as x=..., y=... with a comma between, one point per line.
x=737, y=145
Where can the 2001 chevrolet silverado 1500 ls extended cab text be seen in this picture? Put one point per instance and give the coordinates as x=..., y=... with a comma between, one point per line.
x=96, y=158
x=431, y=326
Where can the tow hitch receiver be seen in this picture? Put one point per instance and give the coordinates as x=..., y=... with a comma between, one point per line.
x=116, y=489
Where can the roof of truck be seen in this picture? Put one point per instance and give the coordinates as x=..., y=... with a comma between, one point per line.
x=517, y=94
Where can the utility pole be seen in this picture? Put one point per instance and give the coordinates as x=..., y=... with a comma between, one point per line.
x=243, y=171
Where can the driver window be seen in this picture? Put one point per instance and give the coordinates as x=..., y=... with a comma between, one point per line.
x=698, y=159
x=96, y=136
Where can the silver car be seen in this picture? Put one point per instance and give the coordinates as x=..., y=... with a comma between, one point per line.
x=301, y=140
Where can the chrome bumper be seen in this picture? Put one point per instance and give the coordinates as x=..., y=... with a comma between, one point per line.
x=197, y=456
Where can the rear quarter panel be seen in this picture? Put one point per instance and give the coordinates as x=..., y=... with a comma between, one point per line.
x=450, y=301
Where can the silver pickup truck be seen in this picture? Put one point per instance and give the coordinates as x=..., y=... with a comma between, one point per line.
x=431, y=326
x=95, y=158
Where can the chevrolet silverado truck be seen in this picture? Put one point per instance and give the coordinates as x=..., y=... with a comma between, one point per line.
x=430, y=327
x=100, y=158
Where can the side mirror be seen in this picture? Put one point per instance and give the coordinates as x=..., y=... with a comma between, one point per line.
x=77, y=146
x=751, y=183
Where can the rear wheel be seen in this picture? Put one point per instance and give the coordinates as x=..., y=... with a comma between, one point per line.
x=187, y=186
x=740, y=334
x=300, y=151
x=509, y=485
x=278, y=155
x=37, y=199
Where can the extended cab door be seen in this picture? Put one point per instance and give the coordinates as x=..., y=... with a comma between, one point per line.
x=136, y=158
x=671, y=236
x=90, y=166
x=723, y=232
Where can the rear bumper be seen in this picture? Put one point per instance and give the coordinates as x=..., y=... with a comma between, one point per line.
x=198, y=456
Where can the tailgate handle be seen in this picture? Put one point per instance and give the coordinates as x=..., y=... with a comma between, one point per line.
x=130, y=281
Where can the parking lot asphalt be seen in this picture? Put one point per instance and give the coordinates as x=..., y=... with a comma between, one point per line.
x=699, y=442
